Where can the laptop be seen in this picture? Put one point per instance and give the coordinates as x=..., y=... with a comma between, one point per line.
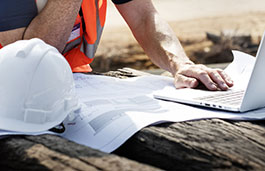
x=236, y=100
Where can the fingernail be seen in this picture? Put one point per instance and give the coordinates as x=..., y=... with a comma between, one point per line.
x=230, y=81
x=224, y=86
x=213, y=86
x=193, y=82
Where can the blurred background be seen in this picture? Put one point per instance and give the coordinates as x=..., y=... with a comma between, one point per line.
x=207, y=29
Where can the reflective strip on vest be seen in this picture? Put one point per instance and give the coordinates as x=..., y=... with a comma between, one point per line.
x=71, y=45
x=88, y=49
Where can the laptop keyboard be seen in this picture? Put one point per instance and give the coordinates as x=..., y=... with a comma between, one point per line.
x=233, y=97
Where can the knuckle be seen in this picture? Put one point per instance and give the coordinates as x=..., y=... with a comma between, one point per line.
x=212, y=73
x=187, y=81
x=220, y=70
x=202, y=73
x=215, y=75
x=201, y=66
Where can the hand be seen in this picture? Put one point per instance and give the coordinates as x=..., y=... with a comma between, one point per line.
x=189, y=76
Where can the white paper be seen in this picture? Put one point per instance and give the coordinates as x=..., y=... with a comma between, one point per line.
x=240, y=69
x=112, y=110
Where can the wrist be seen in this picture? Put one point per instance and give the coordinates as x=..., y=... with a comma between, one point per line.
x=177, y=63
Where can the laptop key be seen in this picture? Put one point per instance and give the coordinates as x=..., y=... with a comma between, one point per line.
x=233, y=97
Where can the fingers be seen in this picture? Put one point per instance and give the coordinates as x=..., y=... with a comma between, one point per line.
x=182, y=81
x=204, y=77
x=225, y=77
x=216, y=77
x=213, y=79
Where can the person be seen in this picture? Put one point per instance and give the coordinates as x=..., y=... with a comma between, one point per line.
x=74, y=27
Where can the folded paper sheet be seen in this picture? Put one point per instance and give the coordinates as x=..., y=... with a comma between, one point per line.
x=112, y=110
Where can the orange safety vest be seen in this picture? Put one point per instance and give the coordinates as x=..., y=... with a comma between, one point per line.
x=83, y=42
x=84, y=39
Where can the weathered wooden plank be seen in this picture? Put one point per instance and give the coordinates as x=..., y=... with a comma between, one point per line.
x=200, y=145
x=49, y=152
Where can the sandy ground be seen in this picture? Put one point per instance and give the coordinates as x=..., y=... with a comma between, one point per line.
x=190, y=19
x=245, y=15
x=179, y=10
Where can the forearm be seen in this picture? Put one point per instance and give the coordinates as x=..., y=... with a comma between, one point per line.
x=162, y=46
x=54, y=23
x=160, y=43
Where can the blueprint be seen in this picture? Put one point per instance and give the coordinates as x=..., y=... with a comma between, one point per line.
x=113, y=109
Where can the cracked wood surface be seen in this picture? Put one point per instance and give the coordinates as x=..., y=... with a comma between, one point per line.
x=49, y=152
x=211, y=144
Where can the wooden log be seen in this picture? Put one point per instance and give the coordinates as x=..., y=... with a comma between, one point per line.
x=49, y=152
x=199, y=145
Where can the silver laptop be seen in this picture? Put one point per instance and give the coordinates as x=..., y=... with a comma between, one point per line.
x=253, y=97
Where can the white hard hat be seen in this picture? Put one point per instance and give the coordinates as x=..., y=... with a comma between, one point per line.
x=36, y=87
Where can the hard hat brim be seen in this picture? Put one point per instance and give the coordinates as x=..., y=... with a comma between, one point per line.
x=20, y=126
